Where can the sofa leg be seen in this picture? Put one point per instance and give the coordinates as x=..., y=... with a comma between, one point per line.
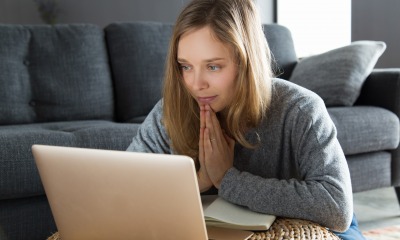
x=397, y=189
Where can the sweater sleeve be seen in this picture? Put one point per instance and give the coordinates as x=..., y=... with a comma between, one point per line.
x=151, y=136
x=320, y=190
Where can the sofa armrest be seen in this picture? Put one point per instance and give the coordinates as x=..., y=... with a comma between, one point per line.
x=382, y=89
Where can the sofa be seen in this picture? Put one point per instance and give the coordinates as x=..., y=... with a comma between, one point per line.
x=84, y=86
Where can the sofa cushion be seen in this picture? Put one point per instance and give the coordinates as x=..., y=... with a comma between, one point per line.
x=26, y=218
x=370, y=170
x=283, y=53
x=18, y=173
x=338, y=75
x=362, y=129
x=137, y=54
x=54, y=73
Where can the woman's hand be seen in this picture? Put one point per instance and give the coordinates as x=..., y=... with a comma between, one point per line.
x=217, y=147
x=204, y=180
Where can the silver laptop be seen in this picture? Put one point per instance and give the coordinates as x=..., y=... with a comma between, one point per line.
x=103, y=194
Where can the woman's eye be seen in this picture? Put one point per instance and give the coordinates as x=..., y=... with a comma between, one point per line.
x=213, y=67
x=185, y=68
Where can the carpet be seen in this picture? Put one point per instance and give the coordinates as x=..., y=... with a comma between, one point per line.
x=385, y=233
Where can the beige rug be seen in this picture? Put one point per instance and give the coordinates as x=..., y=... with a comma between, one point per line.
x=385, y=233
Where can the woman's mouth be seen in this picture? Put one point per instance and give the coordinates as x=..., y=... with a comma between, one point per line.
x=206, y=100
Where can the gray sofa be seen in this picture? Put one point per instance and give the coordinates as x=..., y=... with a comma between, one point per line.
x=83, y=86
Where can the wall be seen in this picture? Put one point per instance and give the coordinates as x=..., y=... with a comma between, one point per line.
x=103, y=12
x=317, y=26
x=100, y=12
x=266, y=10
x=378, y=20
x=18, y=11
x=371, y=19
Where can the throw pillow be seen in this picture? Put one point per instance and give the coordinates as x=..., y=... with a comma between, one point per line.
x=338, y=75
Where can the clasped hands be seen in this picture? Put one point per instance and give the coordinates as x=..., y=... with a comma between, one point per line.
x=216, y=150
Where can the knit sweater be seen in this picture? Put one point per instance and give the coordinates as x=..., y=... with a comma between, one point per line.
x=298, y=170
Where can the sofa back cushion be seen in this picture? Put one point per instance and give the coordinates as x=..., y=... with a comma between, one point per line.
x=283, y=53
x=137, y=56
x=54, y=73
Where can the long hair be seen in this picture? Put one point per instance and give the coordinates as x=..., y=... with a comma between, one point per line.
x=236, y=23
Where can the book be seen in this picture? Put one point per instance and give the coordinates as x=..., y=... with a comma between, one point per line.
x=221, y=213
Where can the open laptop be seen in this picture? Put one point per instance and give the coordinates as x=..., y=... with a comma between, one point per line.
x=104, y=194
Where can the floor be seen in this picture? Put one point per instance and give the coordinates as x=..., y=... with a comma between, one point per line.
x=377, y=208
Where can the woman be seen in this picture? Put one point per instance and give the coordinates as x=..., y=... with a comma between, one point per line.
x=264, y=143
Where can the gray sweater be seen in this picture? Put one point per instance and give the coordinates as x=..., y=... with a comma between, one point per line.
x=299, y=169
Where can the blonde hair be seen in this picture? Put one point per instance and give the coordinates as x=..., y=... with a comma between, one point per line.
x=236, y=23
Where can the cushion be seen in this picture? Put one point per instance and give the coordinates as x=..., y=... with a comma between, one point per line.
x=338, y=75
x=26, y=218
x=54, y=73
x=370, y=170
x=18, y=174
x=137, y=55
x=362, y=129
x=280, y=42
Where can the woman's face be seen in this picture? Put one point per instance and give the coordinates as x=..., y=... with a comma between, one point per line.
x=208, y=68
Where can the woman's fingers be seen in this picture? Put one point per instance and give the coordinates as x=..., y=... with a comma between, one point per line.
x=231, y=142
x=202, y=117
x=212, y=123
x=204, y=180
x=201, y=146
x=218, y=148
x=208, y=141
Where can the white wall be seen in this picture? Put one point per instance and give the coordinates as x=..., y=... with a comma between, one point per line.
x=266, y=10
x=317, y=26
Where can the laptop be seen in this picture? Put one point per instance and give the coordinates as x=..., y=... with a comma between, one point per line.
x=105, y=194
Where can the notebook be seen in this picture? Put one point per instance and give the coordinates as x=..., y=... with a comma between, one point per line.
x=105, y=194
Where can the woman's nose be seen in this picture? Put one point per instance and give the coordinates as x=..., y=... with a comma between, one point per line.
x=199, y=80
